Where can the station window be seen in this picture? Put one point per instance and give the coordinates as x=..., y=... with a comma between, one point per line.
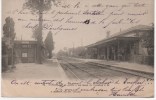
x=24, y=54
x=29, y=46
x=24, y=46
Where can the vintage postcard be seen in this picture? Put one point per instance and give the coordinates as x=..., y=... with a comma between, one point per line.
x=78, y=48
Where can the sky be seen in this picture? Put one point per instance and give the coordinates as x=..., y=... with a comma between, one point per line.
x=86, y=33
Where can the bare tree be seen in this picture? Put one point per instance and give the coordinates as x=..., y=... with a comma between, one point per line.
x=35, y=33
x=38, y=7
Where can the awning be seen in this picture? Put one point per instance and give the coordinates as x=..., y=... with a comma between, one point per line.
x=113, y=40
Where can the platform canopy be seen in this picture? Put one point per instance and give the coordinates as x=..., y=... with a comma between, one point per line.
x=127, y=35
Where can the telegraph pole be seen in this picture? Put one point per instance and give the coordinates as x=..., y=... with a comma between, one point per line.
x=73, y=48
x=82, y=42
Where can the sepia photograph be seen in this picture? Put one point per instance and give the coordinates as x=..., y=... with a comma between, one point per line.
x=77, y=48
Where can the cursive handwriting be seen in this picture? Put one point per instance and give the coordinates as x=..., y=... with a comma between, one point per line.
x=111, y=87
x=69, y=16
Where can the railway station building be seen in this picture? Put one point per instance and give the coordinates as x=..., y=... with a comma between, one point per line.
x=25, y=51
x=135, y=44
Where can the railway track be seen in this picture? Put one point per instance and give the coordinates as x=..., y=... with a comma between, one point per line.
x=81, y=70
x=78, y=73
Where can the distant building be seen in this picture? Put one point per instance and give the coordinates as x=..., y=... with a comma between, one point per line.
x=25, y=51
x=124, y=46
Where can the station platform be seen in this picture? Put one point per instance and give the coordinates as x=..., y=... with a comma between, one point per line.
x=122, y=65
x=50, y=69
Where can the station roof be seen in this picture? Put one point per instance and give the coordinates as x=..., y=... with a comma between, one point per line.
x=120, y=34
